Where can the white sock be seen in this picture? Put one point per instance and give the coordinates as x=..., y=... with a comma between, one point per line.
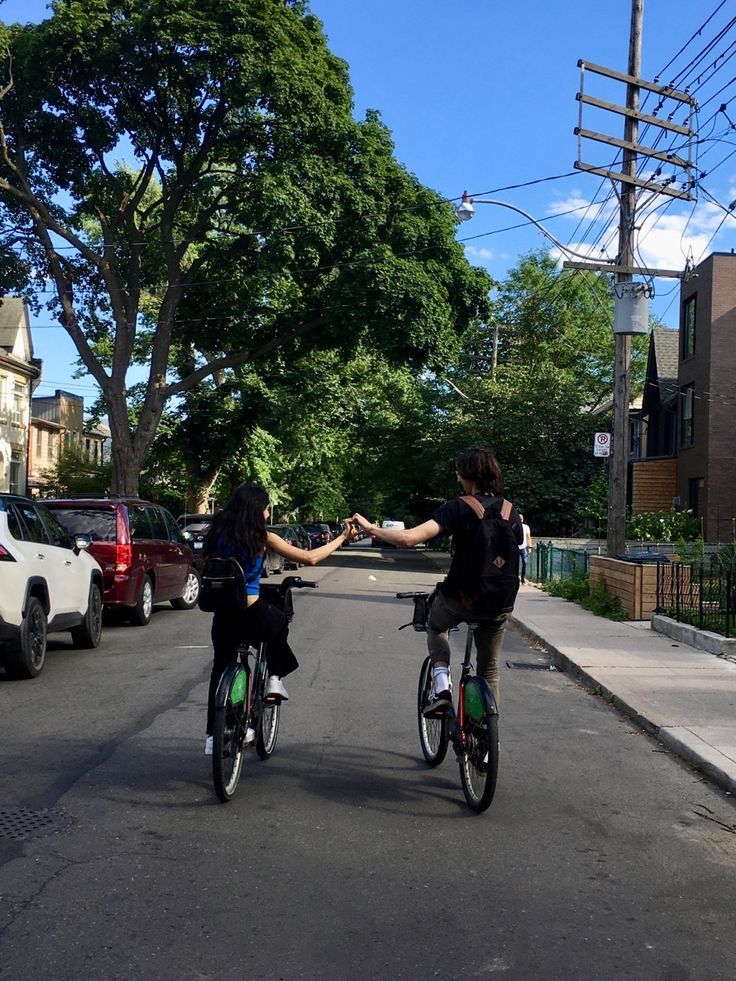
x=441, y=676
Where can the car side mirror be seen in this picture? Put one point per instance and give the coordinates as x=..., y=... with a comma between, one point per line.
x=82, y=541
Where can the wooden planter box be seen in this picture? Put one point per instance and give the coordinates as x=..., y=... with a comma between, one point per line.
x=633, y=583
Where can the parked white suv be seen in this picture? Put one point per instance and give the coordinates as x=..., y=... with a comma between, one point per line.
x=47, y=583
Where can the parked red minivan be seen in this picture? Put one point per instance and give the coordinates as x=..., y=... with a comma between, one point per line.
x=140, y=548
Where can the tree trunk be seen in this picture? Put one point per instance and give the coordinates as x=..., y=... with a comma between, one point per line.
x=198, y=492
x=126, y=462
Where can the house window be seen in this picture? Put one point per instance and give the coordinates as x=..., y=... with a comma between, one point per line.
x=18, y=405
x=16, y=460
x=687, y=397
x=694, y=494
x=688, y=329
x=39, y=443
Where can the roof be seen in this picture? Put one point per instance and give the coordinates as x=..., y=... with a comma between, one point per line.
x=12, y=313
x=665, y=348
x=15, y=332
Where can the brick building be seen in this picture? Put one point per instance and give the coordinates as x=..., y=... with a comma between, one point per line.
x=706, y=453
x=686, y=455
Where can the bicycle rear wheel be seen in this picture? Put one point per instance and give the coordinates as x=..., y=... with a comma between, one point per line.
x=479, y=762
x=229, y=731
x=268, y=729
x=432, y=732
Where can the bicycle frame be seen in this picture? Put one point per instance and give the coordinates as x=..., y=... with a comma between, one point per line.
x=456, y=719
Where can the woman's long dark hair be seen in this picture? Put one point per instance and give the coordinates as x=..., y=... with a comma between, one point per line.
x=241, y=522
x=480, y=465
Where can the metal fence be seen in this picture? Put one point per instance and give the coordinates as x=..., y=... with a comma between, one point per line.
x=549, y=561
x=699, y=593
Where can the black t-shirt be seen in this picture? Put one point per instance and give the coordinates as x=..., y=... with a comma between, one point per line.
x=458, y=519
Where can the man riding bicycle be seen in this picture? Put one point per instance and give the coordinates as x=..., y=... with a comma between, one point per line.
x=482, y=582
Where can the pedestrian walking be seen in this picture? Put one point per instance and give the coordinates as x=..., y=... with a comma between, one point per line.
x=525, y=549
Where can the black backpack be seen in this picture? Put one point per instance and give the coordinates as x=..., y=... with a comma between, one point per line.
x=488, y=584
x=222, y=586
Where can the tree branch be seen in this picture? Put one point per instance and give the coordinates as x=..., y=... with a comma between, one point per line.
x=241, y=357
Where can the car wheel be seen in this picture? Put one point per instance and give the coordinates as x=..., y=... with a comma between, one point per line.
x=88, y=633
x=28, y=659
x=140, y=614
x=280, y=567
x=188, y=599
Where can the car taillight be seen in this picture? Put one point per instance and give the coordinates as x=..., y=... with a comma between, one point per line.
x=5, y=555
x=123, y=557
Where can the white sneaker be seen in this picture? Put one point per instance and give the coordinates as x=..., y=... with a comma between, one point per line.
x=250, y=736
x=275, y=689
x=208, y=745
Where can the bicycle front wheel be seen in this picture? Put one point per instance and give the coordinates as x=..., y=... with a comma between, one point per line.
x=268, y=729
x=229, y=731
x=432, y=732
x=479, y=761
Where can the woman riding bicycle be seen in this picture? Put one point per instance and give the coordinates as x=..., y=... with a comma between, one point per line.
x=480, y=477
x=239, y=531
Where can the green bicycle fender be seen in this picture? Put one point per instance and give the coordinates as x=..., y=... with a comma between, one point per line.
x=478, y=699
x=234, y=681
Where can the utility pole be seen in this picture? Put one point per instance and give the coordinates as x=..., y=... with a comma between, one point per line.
x=631, y=297
x=619, y=462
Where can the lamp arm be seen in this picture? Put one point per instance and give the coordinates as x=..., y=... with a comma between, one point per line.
x=549, y=235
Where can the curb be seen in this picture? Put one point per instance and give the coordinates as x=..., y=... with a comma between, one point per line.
x=663, y=734
x=567, y=666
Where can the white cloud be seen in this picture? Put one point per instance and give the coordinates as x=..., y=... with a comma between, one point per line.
x=669, y=231
x=484, y=255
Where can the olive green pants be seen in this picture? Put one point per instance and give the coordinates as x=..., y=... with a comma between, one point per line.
x=446, y=612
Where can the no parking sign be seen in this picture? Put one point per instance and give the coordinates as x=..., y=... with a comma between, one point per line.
x=602, y=444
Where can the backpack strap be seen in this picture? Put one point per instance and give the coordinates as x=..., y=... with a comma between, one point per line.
x=475, y=505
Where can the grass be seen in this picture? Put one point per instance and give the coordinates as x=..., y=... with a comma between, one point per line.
x=597, y=599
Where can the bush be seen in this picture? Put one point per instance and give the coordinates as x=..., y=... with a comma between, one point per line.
x=596, y=598
x=663, y=526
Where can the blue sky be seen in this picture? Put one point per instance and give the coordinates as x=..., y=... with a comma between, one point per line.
x=481, y=95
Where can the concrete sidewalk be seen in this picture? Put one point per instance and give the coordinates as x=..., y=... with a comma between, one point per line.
x=683, y=696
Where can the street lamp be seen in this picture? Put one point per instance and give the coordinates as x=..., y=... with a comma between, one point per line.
x=466, y=210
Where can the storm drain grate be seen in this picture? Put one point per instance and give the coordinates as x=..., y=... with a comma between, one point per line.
x=19, y=823
x=527, y=666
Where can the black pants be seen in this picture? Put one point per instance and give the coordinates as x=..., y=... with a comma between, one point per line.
x=259, y=622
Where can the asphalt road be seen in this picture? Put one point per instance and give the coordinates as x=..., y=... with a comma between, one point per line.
x=344, y=856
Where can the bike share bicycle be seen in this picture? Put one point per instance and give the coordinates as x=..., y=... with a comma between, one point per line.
x=241, y=707
x=472, y=729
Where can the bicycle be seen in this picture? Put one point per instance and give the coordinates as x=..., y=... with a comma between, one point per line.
x=472, y=729
x=240, y=703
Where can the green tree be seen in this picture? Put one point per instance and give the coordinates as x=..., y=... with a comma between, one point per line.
x=253, y=213
x=73, y=475
x=548, y=393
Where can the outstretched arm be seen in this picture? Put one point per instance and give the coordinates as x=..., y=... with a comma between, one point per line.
x=406, y=537
x=315, y=555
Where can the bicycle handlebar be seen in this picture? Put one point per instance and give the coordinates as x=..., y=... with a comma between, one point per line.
x=296, y=582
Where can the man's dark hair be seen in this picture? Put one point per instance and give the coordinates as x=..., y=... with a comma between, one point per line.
x=480, y=465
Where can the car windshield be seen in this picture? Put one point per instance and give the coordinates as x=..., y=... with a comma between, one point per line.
x=98, y=523
x=197, y=521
